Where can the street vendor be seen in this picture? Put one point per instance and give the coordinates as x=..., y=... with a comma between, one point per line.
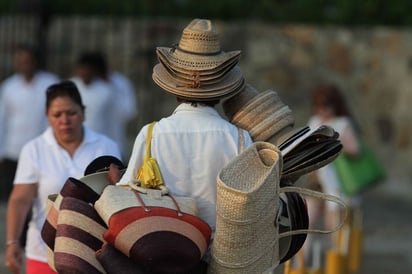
x=194, y=143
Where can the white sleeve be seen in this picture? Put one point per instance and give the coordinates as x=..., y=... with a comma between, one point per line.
x=27, y=171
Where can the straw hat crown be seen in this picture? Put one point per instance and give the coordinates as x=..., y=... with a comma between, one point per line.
x=200, y=36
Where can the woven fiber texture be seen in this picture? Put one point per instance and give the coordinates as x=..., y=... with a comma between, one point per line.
x=116, y=198
x=264, y=116
x=152, y=230
x=72, y=188
x=79, y=235
x=229, y=84
x=199, y=48
x=232, y=105
x=246, y=239
x=197, y=68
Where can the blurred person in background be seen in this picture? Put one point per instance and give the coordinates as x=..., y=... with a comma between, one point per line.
x=22, y=97
x=63, y=150
x=97, y=94
x=124, y=108
x=329, y=108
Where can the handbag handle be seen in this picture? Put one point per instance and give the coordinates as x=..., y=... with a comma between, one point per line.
x=319, y=195
x=147, y=209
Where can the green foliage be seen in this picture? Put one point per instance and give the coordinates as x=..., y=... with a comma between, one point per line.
x=343, y=12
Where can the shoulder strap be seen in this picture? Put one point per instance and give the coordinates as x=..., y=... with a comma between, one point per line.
x=149, y=140
x=241, y=140
x=318, y=195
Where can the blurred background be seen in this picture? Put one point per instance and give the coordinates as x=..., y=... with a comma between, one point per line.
x=364, y=47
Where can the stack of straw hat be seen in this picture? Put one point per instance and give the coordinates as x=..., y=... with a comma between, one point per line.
x=197, y=68
x=263, y=114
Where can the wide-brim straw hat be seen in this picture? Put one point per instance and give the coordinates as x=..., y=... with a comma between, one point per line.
x=229, y=85
x=198, y=49
x=246, y=238
x=202, y=74
x=264, y=114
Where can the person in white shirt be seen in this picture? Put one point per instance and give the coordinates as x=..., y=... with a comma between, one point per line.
x=63, y=150
x=21, y=111
x=124, y=103
x=193, y=144
x=98, y=95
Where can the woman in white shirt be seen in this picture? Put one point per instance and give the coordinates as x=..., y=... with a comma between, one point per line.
x=63, y=150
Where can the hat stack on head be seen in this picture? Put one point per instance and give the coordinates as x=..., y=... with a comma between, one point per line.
x=263, y=114
x=197, y=68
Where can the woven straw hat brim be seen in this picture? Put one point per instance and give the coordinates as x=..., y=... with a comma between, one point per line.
x=232, y=105
x=197, y=62
x=267, y=101
x=247, y=204
x=196, y=80
x=272, y=124
x=212, y=73
x=196, y=76
x=231, y=84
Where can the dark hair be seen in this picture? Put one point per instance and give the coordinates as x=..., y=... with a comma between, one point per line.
x=32, y=50
x=331, y=96
x=211, y=103
x=63, y=89
x=94, y=60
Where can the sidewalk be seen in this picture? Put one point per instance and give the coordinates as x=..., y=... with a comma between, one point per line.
x=387, y=233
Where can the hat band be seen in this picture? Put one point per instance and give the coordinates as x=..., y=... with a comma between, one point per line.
x=176, y=46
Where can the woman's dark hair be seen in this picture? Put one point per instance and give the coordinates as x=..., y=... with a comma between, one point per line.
x=63, y=89
x=330, y=96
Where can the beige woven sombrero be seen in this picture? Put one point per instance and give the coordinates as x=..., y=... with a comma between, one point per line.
x=228, y=85
x=198, y=49
x=197, y=68
x=263, y=115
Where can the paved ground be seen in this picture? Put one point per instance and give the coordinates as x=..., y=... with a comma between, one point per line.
x=387, y=233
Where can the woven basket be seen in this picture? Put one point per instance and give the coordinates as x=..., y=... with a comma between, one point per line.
x=72, y=188
x=160, y=233
x=79, y=235
x=246, y=239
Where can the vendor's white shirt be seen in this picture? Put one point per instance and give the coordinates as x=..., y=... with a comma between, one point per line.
x=44, y=162
x=191, y=147
x=22, y=111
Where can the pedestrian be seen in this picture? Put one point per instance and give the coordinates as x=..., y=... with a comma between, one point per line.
x=194, y=143
x=329, y=107
x=98, y=95
x=124, y=103
x=22, y=118
x=63, y=150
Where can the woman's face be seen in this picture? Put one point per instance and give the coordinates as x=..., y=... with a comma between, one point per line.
x=66, y=119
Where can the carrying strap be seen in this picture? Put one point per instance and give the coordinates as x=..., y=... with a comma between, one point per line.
x=149, y=141
x=241, y=140
x=149, y=168
x=313, y=194
x=318, y=195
